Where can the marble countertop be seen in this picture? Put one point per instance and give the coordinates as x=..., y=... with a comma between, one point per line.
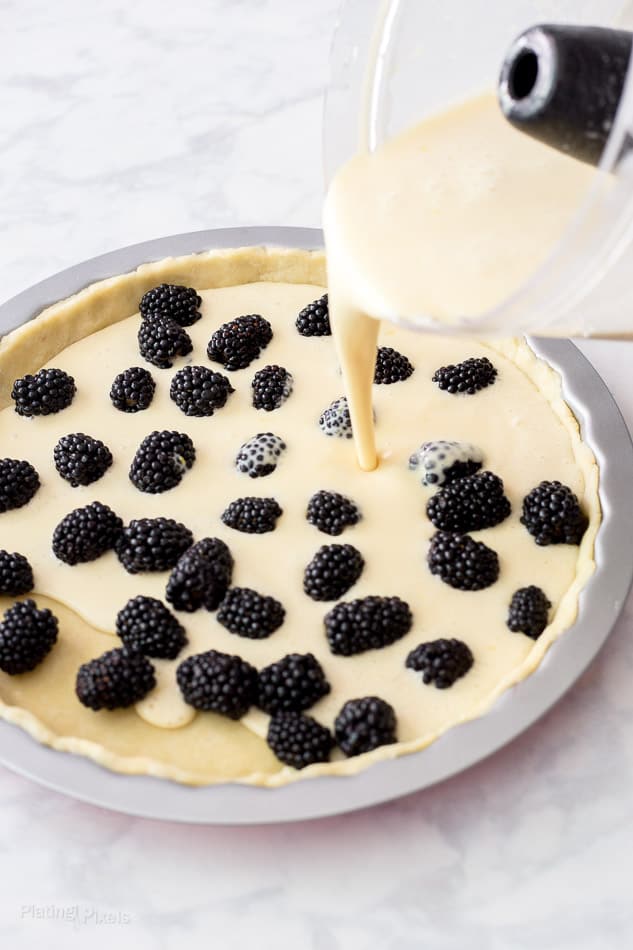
x=125, y=121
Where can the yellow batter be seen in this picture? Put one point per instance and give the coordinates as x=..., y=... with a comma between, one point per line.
x=447, y=219
x=438, y=225
x=521, y=424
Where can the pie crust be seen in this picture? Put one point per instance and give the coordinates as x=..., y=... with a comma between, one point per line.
x=209, y=748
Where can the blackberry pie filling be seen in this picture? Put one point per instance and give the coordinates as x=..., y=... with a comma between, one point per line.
x=197, y=581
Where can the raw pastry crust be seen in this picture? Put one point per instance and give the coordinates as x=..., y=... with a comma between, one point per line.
x=109, y=301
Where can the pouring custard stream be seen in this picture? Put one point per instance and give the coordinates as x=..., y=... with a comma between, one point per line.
x=441, y=223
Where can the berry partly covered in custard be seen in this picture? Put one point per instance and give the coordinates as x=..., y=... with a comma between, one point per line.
x=198, y=391
x=146, y=625
x=86, y=533
x=332, y=571
x=365, y=724
x=252, y=515
x=552, y=514
x=292, y=684
x=314, y=320
x=336, y=420
x=461, y=562
x=237, y=343
x=469, y=504
x=441, y=662
x=133, y=390
x=528, y=612
x=152, y=544
x=80, y=459
x=442, y=462
x=115, y=680
x=249, y=614
x=201, y=577
x=218, y=682
x=259, y=455
x=42, y=394
x=27, y=635
x=178, y=302
x=16, y=574
x=391, y=366
x=161, y=340
x=271, y=387
x=298, y=740
x=467, y=377
x=369, y=623
x=331, y=512
x=161, y=460
x=18, y=483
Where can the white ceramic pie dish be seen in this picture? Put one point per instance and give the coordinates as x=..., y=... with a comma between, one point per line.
x=600, y=603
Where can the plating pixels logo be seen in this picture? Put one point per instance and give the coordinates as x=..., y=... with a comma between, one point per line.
x=77, y=914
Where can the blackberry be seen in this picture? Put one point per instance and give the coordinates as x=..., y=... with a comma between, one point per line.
x=178, y=302
x=271, y=387
x=218, y=682
x=201, y=577
x=365, y=724
x=441, y=462
x=331, y=512
x=391, y=366
x=332, y=571
x=214, y=550
x=86, y=533
x=16, y=574
x=146, y=625
x=114, y=680
x=236, y=344
x=467, y=377
x=198, y=391
x=161, y=460
x=336, y=420
x=259, y=455
x=262, y=328
x=461, y=562
x=47, y=392
x=190, y=581
x=18, y=483
x=161, y=340
x=133, y=390
x=369, y=623
x=469, y=504
x=27, y=635
x=441, y=662
x=528, y=611
x=314, y=320
x=80, y=459
x=249, y=614
x=292, y=684
x=552, y=514
x=152, y=544
x=298, y=740
x=252, y=515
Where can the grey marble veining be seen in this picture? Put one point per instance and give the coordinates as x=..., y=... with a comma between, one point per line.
x=124, y=121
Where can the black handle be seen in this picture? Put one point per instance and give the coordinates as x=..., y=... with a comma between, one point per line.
x=562, y=85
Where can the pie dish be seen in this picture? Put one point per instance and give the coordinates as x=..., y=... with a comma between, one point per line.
x=43, y=702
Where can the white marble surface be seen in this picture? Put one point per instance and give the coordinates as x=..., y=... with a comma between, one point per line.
x=123, y=121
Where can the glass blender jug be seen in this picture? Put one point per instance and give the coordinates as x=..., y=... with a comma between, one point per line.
x=396, y=62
